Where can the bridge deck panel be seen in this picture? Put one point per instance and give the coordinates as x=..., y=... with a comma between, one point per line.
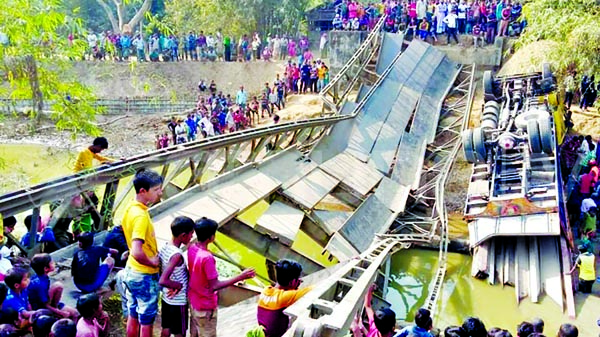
x=355, y=174
x=280, y=221
x=331, y=221
x=288, y=167
x=371, y=217
x=309, y=190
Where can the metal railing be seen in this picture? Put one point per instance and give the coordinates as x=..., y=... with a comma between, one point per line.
x=182, y=167
x=109, y=106
x=330, y=94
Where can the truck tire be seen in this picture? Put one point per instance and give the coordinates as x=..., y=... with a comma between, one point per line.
x=479, y=145
x=533, y=136
x=488, y=86
x=545, y=127
x=467, y=142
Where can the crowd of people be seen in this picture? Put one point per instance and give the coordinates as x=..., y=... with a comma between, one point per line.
x=383, y=323
x=218, y=113
x=195, y=47
x=185, y=282
x=423, y=19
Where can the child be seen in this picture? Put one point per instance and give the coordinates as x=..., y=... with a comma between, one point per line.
x=141, y=277
x=63, y=328
x=42, y=325
x=204, y=280
x=264, y=106
x=174, y=278
x=87, y=271
x=42, y=294
x=86, y=157
x=382, y=322
x=423, y=324
x=158, y=143
x=93, y=321
x=274, y=300
x=477, y=35
x=17, y=299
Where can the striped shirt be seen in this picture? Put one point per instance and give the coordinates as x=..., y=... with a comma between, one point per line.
x=180, y=274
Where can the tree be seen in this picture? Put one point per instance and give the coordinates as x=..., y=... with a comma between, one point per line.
x=237, y=17
x=121, y=9
x=573, y=24
x=35, y=62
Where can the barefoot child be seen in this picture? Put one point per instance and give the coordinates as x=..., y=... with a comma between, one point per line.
x=174, y=279
x=204, y=281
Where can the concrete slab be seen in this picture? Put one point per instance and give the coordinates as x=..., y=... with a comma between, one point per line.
x=280, y=221
x=339, y=247
x=371, y=217
x=287, y=167
x=392, y=194
x=355, y=174
x=330, y=221
x=309, y=190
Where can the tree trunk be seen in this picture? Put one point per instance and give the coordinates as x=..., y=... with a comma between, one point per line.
x=140, y=13
x=37, y=96
x=111, y=17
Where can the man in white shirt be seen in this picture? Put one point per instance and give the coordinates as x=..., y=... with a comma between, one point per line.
x=421, y=9
x=451, y=21
x=92, y=43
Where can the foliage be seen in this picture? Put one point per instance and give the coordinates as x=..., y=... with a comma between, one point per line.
x=36, y=61
x=237, y=17
x=571, y=23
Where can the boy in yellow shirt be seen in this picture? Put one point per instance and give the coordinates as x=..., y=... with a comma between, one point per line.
x=87, y=156
x=141, y=271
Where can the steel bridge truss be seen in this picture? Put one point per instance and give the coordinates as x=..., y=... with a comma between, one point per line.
x=335, y=93
x=427, y=215
x=182, y=167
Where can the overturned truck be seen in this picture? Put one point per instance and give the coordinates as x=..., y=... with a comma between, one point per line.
x=518, y=226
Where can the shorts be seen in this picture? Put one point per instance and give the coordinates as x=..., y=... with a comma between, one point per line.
x=203, y=323
x=101, y=276
x=174, y=318
x=142, y=295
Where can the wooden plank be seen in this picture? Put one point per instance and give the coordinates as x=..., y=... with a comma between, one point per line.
x=353, y=173
x=309, y=190
x=280, y=221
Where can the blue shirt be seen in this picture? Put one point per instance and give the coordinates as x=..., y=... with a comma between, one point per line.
x=15, y=301
x=415, y=330
x=38, y=291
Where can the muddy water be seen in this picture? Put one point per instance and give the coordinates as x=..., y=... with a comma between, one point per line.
x=412, y=270
x=463, y=296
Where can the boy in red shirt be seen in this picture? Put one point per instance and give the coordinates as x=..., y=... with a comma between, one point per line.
x=204, y=281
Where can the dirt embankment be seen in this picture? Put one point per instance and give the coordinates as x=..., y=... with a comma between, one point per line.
x=173, y=80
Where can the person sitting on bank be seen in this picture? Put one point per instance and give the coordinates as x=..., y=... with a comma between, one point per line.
x=45, y=294
x=586, y=262
x=86, y=157
x=87, y=271
x=274, y=300
x=423, y=323
x=115, y=239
